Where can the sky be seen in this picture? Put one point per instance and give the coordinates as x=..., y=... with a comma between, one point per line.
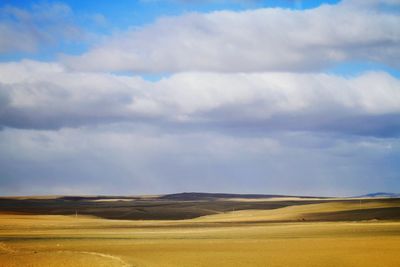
x=240, y=96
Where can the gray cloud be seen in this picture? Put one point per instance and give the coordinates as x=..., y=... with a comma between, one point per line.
x=47, y=96
x=254, y=40
x=132, y=160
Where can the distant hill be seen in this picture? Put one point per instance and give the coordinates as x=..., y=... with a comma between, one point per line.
x=209, y=196
x=381, y=194
x=185, y=196
x=190, y=205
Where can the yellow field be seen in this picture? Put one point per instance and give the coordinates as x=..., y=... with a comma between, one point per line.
x=297, y=212
x=229, y=239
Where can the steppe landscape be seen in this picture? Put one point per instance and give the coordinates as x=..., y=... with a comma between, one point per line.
x=194, y=229
x=200, y=133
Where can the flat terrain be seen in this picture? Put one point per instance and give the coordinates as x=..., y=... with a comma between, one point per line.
x=311, y=232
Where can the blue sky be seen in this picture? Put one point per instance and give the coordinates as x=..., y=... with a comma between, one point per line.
x=247, y=96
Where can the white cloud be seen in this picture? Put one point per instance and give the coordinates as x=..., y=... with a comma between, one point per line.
x=270, y=39
x=46, y=95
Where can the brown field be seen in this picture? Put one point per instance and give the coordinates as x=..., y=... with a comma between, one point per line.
x=327, y=233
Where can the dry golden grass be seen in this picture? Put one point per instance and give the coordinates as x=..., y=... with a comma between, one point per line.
x=66, y=241
x=294, y=212
x=275, y=199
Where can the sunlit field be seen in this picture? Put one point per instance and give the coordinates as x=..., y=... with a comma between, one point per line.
x=234, y=238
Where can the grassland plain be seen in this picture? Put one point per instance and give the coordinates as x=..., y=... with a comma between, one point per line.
x=277, y=237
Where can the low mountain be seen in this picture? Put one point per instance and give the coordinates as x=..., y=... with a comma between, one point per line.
x=381, y=194
x=190, y=196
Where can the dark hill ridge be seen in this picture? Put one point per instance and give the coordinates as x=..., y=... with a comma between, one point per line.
x=83, y=198
x=381, y=194
x=185, y=196
x=188, y=196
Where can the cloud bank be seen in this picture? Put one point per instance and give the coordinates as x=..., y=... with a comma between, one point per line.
x=243, y=103
x=128, y=159
x=48, y=96
x=271, y=39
